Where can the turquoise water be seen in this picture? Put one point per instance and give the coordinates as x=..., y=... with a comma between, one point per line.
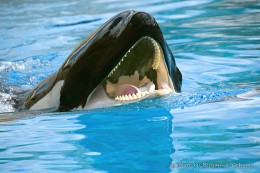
x=214, y=123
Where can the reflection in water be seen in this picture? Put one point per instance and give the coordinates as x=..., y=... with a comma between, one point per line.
x=111, y=142
x=132, y=141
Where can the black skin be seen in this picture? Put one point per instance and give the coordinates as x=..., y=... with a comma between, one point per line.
x=90, y=64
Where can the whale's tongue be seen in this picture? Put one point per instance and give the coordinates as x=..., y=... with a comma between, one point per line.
x=126, y=89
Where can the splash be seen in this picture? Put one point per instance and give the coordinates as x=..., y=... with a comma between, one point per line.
x=17, y=77
x=6, y=103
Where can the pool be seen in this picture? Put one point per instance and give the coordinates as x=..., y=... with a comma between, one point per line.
x=212, y=126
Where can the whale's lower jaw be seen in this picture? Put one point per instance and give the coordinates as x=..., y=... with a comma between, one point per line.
x=141, y=73
x=99, y=98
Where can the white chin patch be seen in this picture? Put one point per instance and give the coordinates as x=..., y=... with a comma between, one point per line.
x=99, y=99
x=51, y=100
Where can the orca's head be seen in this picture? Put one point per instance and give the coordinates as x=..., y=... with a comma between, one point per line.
x=125, y=60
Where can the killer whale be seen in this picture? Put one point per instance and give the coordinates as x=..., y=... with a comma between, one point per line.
x=125, y=60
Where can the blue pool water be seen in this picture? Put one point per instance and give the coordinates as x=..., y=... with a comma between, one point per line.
x=212, y=126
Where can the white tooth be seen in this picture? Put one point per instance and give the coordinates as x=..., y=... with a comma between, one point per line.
x=126, y=97
x=152, y=88
x=120, y=98
x=130, y=97
x=138, y=95
x=143, y=94
x=123, y=97
x=134, y=96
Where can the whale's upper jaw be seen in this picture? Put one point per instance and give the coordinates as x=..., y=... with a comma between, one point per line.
x=141, y=71
x=86, y=70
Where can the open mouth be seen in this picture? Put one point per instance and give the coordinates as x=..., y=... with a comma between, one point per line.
x=142, y=72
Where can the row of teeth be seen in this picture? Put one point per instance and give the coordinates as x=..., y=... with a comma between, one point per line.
x=133, y=96
x=157, y=55
x=156, y=59
x=137, y=95
x=116, y=67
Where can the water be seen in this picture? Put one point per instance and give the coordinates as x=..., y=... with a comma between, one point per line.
x=214, y=122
